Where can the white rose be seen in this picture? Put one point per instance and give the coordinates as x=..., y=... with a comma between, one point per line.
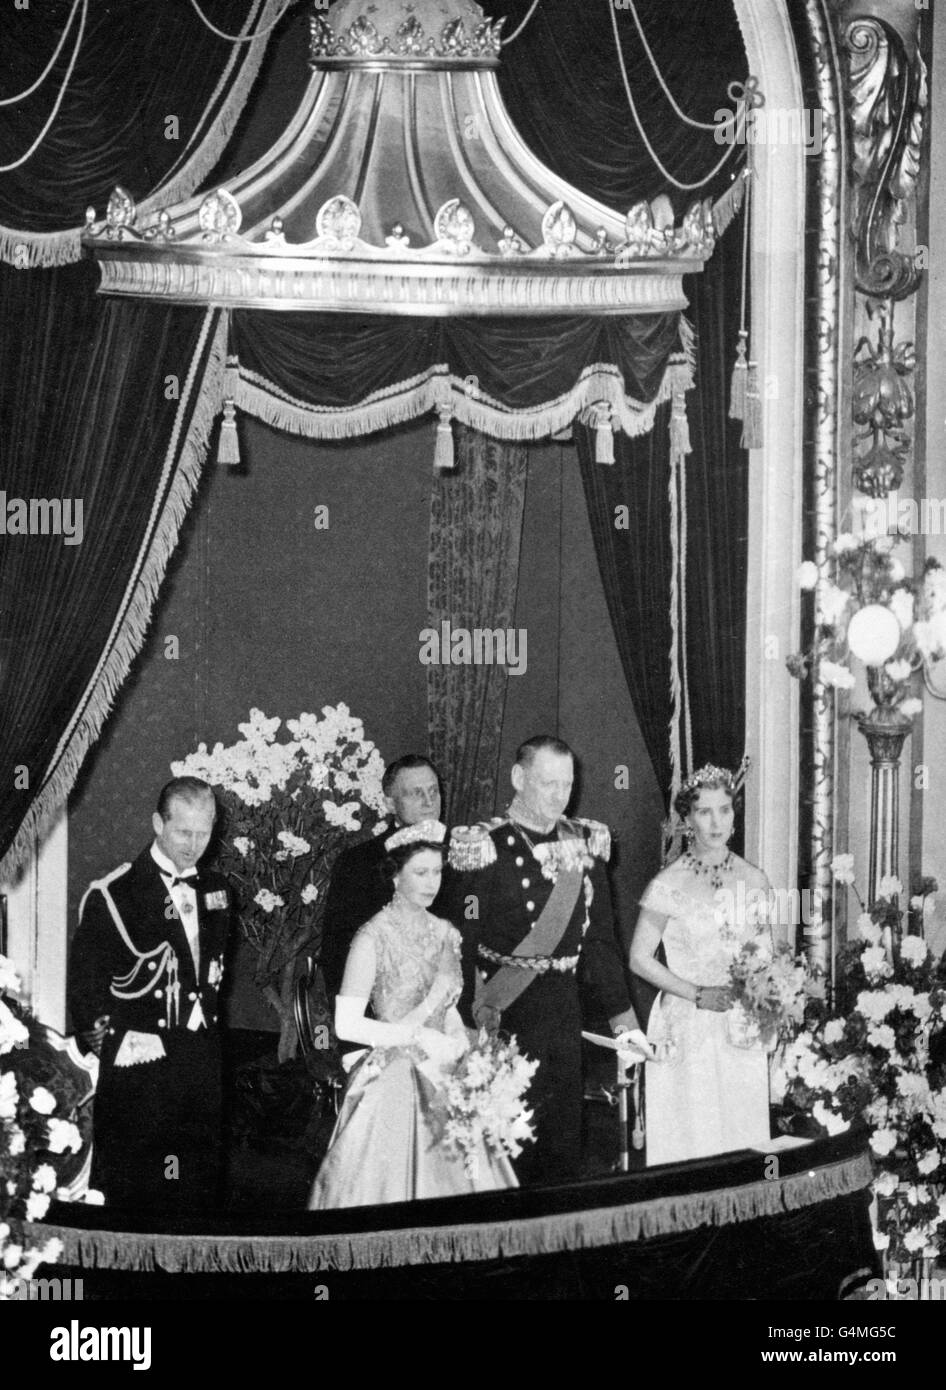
x=882, y=1035
x=242, y=845
x=833, y=602
x=898, y=670
x=309, y=893
x=12, y=1255
x=913, y=949
x=842, y=866
x=889, y=887
x=886, y=1184
x=883, y=1141
x=915, y=1239
x=867, y=929
x=807, y=574
x=8, y=1095
x=834, y=1031
x=37, y=1205
x=44, y=1179
x=42, y=1101
x=63, y=1135
x=844, y=543
x=929, y=1162
x=833, y=673
x=910, y=706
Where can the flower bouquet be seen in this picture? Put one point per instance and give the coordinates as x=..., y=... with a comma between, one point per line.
x=484, y=1100
x=770, y=993
x=289, y=807
x=38, y=1096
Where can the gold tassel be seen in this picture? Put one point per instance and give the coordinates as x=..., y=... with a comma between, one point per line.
x=228, y=445
x=740, y=374
x=752, y=420
x=443, y=452
x=604, y=434
x=680, y=444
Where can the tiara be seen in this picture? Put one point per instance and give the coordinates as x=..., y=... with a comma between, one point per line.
x=433, y=830
x=712, y=773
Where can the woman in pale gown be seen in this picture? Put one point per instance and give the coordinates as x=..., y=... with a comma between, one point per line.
x=387, y=1145
x=708, y=1092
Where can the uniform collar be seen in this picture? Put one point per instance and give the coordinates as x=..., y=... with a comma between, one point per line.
x=169, y=870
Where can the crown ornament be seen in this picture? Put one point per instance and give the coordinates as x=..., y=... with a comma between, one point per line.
x=407, y=30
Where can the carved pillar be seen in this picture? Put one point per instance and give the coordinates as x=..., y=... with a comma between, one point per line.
x=886, y=97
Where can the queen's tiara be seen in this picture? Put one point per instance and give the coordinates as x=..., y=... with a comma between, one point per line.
x=432, y=830
x=711, y=773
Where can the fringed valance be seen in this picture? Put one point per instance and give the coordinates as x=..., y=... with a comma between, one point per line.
x=507, y=1236
x=337, y=376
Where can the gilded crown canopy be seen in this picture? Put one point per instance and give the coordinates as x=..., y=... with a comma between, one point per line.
x=364, y=30
x=401, y=187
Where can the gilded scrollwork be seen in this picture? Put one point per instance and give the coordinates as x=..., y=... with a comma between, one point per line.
x=882, y=403
x=887, y=99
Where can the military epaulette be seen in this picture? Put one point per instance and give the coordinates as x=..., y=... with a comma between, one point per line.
x=471, y=846
x=598, y=836
x=101, y=883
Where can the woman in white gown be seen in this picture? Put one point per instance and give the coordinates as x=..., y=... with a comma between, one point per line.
x=708, y=1092
x=387, y=1145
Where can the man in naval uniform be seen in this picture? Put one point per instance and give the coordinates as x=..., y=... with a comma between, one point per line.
x=411, y=788
x=530, y=895
x=146, y=970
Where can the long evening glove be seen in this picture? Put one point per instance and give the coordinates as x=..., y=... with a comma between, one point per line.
x=352, y=1026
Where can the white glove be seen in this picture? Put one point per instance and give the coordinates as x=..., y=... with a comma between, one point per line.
x=352, y=1026
x=634, y=1046
x=439, y=1047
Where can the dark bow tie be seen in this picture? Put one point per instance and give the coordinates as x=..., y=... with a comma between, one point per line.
x=189, y=882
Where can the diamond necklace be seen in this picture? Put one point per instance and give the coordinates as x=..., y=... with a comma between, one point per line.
x=714, y=872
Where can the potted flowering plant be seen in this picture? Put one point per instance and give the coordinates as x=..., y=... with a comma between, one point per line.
x=289, y=806
x=869, y=1060
x=40, y=1091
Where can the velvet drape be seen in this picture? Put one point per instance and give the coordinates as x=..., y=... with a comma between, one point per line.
x=567, y=54
x=473, y=581
x=115, y=428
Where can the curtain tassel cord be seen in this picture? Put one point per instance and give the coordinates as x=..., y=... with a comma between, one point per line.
x=443, y=452
x=228, y=445
x=740, y=375
x=604, y=433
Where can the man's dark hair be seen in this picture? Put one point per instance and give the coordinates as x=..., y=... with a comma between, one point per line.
x=525, y=753
x=409, y=760
x=189, y=789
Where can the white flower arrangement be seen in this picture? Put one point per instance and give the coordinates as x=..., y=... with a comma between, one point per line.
x=38, y=1096
x=290, y=805
x=871, y=1062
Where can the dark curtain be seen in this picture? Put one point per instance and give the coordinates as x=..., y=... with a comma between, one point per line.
x=567, y=51
x=92, y=426
x=140, y=68
x=635, y=562
x=473, y=581
x=336, y=360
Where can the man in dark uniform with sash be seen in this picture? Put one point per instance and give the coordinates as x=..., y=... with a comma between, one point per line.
x=146, y=970
x=530, y=895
